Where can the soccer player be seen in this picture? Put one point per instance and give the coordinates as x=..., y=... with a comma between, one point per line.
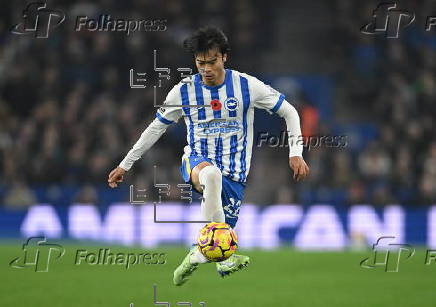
x=216, y=160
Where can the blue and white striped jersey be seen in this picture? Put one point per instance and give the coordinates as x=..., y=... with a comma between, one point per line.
x=223, y=133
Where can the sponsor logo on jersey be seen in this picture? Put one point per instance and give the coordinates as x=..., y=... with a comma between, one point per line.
x=220, y=126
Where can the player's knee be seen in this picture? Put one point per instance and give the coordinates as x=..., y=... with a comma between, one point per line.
x=210, y=174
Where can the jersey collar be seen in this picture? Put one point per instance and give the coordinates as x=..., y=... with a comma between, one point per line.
x=226, y=79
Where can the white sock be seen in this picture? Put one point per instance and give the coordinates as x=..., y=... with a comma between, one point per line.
x=197, y=257
x=211, y=206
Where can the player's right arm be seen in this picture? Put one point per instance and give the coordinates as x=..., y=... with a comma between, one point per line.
x=165, y=116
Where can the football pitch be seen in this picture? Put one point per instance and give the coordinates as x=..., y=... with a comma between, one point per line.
x=284, y=277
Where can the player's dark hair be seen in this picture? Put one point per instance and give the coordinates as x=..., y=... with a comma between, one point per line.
x=205, y=39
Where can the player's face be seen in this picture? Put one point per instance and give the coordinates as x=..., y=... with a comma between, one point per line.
x=211, y=66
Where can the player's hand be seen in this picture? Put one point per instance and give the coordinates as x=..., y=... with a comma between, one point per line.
x=115, y=177
x=299, y=167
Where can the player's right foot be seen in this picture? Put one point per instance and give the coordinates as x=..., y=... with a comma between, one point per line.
x=233, y=264
x=185, y=269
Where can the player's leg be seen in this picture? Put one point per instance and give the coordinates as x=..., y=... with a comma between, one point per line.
x=207, y=179
x=235, y=263
x=186, y=268
x=232, y=196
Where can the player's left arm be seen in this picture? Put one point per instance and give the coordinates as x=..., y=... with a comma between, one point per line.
x=265, y=97
x=296, y=161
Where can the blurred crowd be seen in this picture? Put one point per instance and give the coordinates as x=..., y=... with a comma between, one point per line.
x=68, y=115
x=390, y=83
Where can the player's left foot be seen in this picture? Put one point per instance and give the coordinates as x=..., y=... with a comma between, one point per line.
x=233, y=264
x=185, y=269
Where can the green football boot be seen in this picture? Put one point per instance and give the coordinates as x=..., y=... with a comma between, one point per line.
x=185, y=269
x=233, y=264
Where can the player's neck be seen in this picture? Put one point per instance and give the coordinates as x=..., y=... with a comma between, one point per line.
x=218, y=81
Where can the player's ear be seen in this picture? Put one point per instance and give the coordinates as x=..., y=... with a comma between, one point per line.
x=224, y=57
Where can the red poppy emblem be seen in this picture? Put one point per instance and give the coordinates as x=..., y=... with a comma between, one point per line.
x=215, y=104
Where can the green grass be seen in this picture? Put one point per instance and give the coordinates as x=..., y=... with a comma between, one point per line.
x=279, y=278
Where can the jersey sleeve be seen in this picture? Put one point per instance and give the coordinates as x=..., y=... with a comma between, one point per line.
x=171, y=110
x=264, y=96
x=290, y=114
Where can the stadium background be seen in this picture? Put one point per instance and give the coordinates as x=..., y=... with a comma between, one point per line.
x=68, y=116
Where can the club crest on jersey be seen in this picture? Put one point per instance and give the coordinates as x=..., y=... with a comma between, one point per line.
x=231, y=104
